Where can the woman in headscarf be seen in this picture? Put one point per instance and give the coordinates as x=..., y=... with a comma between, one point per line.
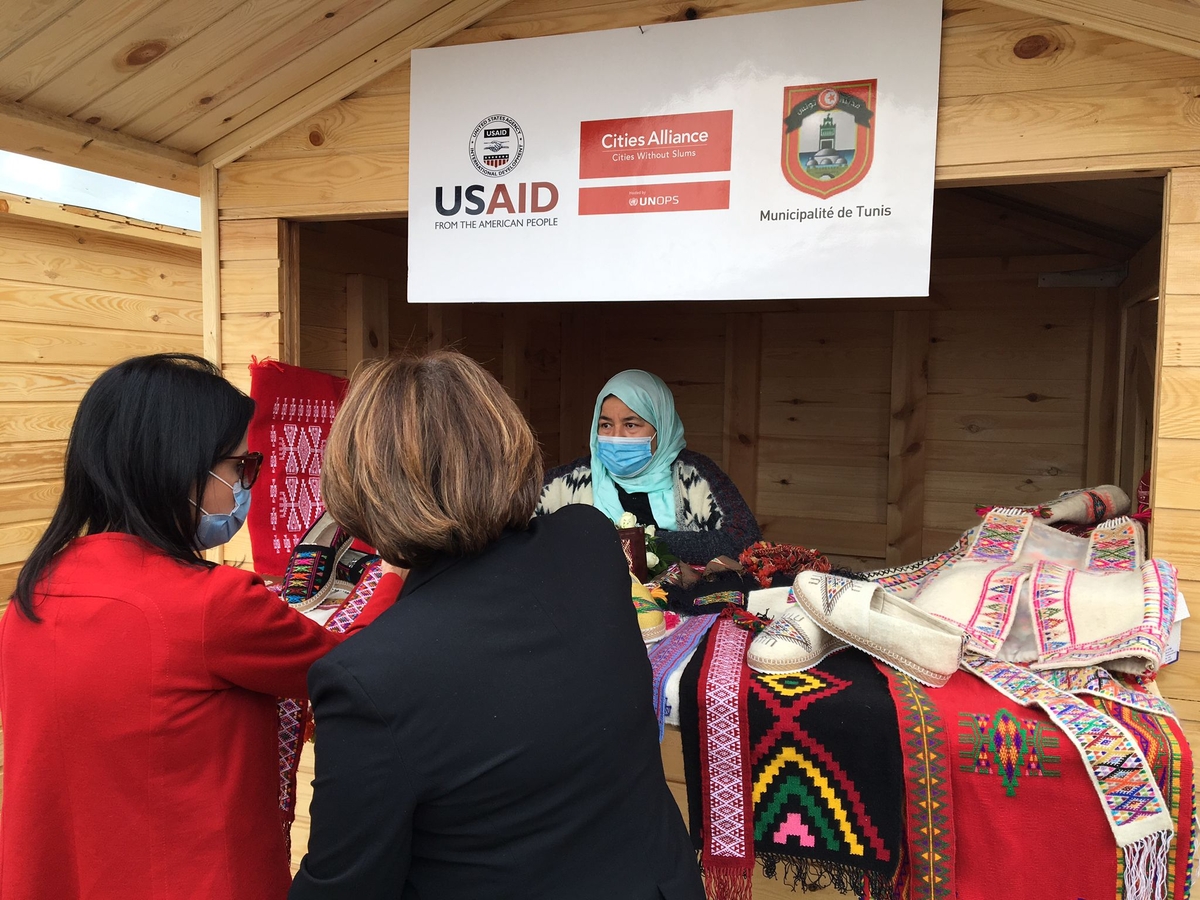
x=639, y=464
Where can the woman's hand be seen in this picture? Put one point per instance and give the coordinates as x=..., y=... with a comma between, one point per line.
x=389, y=569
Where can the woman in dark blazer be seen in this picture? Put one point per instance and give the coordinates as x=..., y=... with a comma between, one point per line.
x=492, y=735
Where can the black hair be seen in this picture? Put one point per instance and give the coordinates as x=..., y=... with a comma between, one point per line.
x=144, y=438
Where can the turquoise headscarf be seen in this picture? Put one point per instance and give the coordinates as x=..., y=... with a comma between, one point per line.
x=649, y=397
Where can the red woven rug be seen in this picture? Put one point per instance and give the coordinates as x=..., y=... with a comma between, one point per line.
x=295, y=410
x=1026, y=820
x=928, y=800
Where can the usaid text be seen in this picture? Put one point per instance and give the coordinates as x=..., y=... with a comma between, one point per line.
x=475, y=199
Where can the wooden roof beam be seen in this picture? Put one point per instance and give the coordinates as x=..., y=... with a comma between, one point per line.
x=44, y=135
x=434, y=28
x=1145, y=273
x=1030, y=220
x=1164, y=24
x=94, y=220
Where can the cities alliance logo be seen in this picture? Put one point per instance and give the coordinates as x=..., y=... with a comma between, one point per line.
x=497, y=145
x=828, y=138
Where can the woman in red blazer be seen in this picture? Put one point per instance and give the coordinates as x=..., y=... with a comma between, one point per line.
x=138, y=683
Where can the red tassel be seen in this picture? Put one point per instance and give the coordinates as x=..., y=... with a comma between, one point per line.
x=728, y=884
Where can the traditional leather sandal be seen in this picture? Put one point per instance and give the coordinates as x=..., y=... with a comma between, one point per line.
x=311, y=571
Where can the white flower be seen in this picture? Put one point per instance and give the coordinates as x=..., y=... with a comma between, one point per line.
x=628, y=520
x=650, y=531
x=651, y=560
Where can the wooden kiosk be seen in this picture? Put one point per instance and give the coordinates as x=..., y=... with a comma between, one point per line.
x=1060, y=345
x=868, y=429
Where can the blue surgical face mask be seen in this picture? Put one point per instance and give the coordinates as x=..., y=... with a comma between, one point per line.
x=624, y=456
x=217, y=528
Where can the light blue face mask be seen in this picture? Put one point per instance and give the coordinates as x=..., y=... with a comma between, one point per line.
x=216, y=529
x=624, y=456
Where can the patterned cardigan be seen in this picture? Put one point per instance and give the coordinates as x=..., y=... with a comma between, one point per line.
x=713, y=518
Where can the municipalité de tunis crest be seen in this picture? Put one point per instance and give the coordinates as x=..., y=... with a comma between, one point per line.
x=828, y=135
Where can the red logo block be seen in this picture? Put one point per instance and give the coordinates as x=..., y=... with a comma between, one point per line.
x=646, y=198
x=656, y=145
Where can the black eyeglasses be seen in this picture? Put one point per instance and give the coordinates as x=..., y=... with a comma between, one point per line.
x=249, y=465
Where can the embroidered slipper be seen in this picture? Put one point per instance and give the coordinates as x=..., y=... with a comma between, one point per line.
x=892, y=630
x=792, y=642
x=352, y=565
x=311, y=571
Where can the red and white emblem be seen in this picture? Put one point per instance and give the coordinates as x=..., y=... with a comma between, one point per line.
x=828, y=135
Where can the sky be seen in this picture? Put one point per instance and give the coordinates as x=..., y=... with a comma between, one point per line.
x=57, y=183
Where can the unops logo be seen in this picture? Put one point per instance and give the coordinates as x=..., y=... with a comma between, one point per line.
x=497, y=145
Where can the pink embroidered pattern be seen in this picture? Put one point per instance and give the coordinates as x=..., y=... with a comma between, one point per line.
x=294, y=714
x=721, y=729
x=1115, y=546
x=1000, y=536
x=341, y=620
x=994, y=613
x=1147, y=641
x=293, y=467
x=1051, y=590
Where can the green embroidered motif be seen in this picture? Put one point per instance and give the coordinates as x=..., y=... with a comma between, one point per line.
x=1005, y=745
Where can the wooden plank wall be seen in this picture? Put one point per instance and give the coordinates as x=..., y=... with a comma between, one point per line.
x=1175, y=488
x=79, y=291
x=804, y=402
x=1020, y=97
x=330, y=252
x=259, y=317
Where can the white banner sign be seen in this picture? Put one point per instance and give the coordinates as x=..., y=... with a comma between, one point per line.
x=777, y=155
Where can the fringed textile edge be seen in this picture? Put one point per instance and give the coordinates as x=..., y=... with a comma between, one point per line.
x=722, y=883
x=814, y=875
x=1146, y=876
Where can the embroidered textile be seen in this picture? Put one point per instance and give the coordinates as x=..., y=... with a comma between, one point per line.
x=988, y=625
x=293, y=413
x=1137, y=813
x=727, y=857
x=1000, y=536
x=735, y=597
x=707, y=593
x=1098, y=682
x=1115, y=546
x=1009, y=838
x=1026, y=593
x=824, y=766
x=295, y=716
x=1167, y=752
x=668, y=654
x=906, y=581
x=929, y=807
x=1078, y=512
x=1087, y=618
x=1008, y=746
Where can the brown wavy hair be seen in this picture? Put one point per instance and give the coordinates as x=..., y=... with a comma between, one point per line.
x=428, y=457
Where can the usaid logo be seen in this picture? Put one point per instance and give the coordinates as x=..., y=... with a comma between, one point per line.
x=497, y=145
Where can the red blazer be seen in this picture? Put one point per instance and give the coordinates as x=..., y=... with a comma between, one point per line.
x=140, y=747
